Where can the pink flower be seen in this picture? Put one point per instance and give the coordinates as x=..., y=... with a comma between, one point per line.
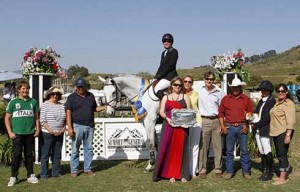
x=40, y=60
x=45, y=60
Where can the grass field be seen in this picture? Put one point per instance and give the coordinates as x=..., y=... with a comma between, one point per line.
x=129, y=176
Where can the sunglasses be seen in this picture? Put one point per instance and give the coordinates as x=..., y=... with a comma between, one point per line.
x=57, y=94
x=167, y=41
x=176, y=85
x=209, y=79
x=281, y=91
x=190, y=82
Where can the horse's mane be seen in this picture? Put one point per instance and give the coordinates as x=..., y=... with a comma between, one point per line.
x=125, y=75
x=108, y=79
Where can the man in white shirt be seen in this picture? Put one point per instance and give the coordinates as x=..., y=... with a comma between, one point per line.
x=210, y=98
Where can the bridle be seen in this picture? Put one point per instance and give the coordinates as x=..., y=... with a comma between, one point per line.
x=118, y=98
x=119, y=93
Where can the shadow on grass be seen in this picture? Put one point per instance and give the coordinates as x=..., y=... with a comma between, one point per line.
x=97, y=165
x=254, y=164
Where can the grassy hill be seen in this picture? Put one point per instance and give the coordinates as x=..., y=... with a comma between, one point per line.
x=284, y=67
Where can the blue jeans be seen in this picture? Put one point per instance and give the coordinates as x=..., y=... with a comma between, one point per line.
x=234, y=135
x=282, y=152
x=83, y=134
x=51, y=147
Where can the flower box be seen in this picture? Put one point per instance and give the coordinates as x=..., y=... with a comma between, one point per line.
x=40, y=61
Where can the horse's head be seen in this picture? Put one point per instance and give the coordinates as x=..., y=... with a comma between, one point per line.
x=112, y=95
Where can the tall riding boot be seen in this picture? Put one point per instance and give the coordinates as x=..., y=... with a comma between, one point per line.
x=160, y=94
x=268, y=175
x=264, y=165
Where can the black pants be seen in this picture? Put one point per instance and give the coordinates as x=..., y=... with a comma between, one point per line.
x=2, y=126
x=281, y=152
x=20, y=142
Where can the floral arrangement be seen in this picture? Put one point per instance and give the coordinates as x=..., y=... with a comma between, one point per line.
x=233, y=62
x=40, y=61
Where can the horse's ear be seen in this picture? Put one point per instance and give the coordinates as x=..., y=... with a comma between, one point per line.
x=102, y=79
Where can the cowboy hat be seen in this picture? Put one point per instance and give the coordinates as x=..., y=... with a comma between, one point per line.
x=53, y=89
x=237, y=82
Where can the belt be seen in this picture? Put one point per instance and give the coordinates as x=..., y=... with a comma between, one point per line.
x=209, y=117
x=235, y=124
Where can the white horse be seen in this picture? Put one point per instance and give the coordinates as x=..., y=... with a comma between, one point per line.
x=130, y=86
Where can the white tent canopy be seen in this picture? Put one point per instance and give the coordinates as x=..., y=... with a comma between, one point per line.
x=6, y=75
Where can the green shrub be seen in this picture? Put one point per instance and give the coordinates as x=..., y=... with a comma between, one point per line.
x=298, y=78
x=6, y=149
x=252, y=146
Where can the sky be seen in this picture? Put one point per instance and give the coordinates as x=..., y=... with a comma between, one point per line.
x=124, y=36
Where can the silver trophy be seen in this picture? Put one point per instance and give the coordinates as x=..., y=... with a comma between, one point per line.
x=184, y=117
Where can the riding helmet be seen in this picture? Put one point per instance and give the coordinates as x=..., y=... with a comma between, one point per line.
x=266, y=85
x=167, y=37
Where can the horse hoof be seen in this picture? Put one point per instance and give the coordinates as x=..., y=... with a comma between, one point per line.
x=148, y=170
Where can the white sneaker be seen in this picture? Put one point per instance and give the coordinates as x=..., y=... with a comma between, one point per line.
x=32, y=179
x=12, y=181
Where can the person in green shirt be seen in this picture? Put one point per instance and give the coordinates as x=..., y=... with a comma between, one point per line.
x=22, y=124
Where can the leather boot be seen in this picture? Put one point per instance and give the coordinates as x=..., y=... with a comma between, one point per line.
x=268, y=175
x=160, y=94
x=263, y=165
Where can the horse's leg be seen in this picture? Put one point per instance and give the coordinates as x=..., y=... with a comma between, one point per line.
x=149, y=124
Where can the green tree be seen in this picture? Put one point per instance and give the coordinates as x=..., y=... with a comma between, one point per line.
x=77, y=71
x=255, y=80
x=145, y=75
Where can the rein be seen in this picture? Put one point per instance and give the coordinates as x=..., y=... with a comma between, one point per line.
x=118, y=99
x=115, y=99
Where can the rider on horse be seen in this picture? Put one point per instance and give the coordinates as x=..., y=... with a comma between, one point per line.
x=167, y=67
x=165, y=72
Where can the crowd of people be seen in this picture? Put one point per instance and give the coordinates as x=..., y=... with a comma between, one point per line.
x=222, y=122
x=25, y=120
x=220, y=116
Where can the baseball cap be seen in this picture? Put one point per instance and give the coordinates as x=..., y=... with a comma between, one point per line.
x=80, y=82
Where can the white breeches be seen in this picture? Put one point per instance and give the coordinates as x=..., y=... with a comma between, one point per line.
x=263, y=144
x=161, y=85
x=194, y=140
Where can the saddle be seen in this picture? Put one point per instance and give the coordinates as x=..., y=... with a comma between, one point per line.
x=159, y=93
x=137, y=106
